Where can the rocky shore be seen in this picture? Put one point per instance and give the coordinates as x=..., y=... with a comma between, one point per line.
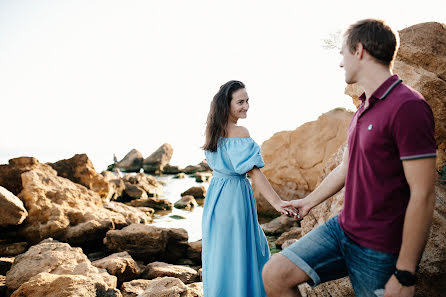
x=67, y=230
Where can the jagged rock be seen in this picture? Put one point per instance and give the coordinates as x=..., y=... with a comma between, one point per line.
x=80, y=169
x=421, y=64
x=191, y=169
x=156, y=162
x=159, y=269
x=132, y=162
x=166, y=286
x=279, y=225
x=187, y=202
x=149, y=243
x=148, y=183
x=11, y=249
x=200, y=274
x=12, y=210
x=197, y=192
x=57, y=258
x=120, y=265
x=52, y=285
x=194, y=251
x=130, y=213
x=195, y=290
x=152, y=202
x=294, y=159
x=201, y=177
x=10, y=174
x=169, y=169
x=134, y=287
x=294, y=233
x=133, y=192
x=64, y=210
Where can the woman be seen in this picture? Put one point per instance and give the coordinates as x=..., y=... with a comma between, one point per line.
x=234, y=246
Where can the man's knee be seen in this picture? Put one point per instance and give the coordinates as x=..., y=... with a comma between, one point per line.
x=280, y=272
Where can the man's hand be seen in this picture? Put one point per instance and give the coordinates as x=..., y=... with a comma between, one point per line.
x=301, y=207
x=395, y=289
x=284, y=208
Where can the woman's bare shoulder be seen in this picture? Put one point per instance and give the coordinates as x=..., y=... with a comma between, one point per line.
x=238, y=132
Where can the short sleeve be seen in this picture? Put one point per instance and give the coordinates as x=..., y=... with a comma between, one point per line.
x=414, y=130
x=244, y=154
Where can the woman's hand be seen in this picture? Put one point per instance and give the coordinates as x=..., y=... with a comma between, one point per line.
x=284, y=208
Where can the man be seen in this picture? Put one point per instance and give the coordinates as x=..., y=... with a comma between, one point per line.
x=388, y=170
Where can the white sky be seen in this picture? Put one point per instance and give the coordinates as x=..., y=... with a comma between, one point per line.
x=104, y=77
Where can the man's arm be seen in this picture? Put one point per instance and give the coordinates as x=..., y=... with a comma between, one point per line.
x=420, y=175
x=332, y=184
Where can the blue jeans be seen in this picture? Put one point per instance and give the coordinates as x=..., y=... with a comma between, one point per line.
x=326, y=253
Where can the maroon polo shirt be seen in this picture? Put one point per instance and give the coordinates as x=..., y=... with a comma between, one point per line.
x=398, y=125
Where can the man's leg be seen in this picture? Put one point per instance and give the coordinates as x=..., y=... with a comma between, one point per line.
x=315, y=258
x=281, y=277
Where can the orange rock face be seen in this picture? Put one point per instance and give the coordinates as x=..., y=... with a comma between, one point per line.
x=294, y=159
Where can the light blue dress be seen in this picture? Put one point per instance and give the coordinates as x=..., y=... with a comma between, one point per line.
x=235, y=248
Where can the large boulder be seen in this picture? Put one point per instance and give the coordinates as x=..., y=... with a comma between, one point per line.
x=12, y=210
x=159, y=269
x=80, y=169
x=421, y=64
x=149, y=243
x=294, y=159
x=52, y=285
x=10, y=174
x=132, y=162
x=62, y=209
x=157, y=160
x=120, y=265
x=57, y=258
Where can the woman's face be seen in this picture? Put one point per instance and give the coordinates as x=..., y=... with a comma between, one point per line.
x=239, y=105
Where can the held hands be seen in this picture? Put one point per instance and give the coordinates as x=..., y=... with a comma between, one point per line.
x=297, y=208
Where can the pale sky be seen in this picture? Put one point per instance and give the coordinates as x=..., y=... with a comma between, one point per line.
x=104, y=77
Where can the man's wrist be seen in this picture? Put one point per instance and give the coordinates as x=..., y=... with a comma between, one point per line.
x=405, y=278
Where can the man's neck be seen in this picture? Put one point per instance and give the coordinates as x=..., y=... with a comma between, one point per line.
x=373, y=79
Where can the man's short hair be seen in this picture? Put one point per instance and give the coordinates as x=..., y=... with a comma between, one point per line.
x=377, y=38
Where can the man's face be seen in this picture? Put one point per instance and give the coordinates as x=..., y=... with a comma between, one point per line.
x=349, y=63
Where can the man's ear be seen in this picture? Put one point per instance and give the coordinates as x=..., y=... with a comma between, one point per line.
x=359, y=50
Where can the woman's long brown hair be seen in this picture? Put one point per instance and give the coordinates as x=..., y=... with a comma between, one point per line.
x=219, y=114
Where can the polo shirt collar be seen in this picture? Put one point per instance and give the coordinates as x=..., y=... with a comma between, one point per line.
x=384, y=89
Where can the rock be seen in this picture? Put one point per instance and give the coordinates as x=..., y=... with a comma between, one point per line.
x=80, y=169
x=169, y=169
x=52, y=285
x=10, y=249
x=197, y=192
x=149, y=243
x=279, y=225
x=188, y=202
x=195, y=290
x=12, y=210
x=2, y=286
x=338, y=288
x=194, y=251
x=135, y=287
x=294, y=159
x=180, y=175
x=201, y=177
x=64, y=210
x=287, y=243
x=5, y=264
x=55, y=257
x=294, y=233
x=159, y=269
x=152, y=202
x=133, y=192
x=10, y=174
x=200, y=274
x=165, y=287
x=132, y=162
x=156, y=162
x=120, y=265
x=191, y=169
x=148, y=183
x=421, y=64
x=131, y=214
